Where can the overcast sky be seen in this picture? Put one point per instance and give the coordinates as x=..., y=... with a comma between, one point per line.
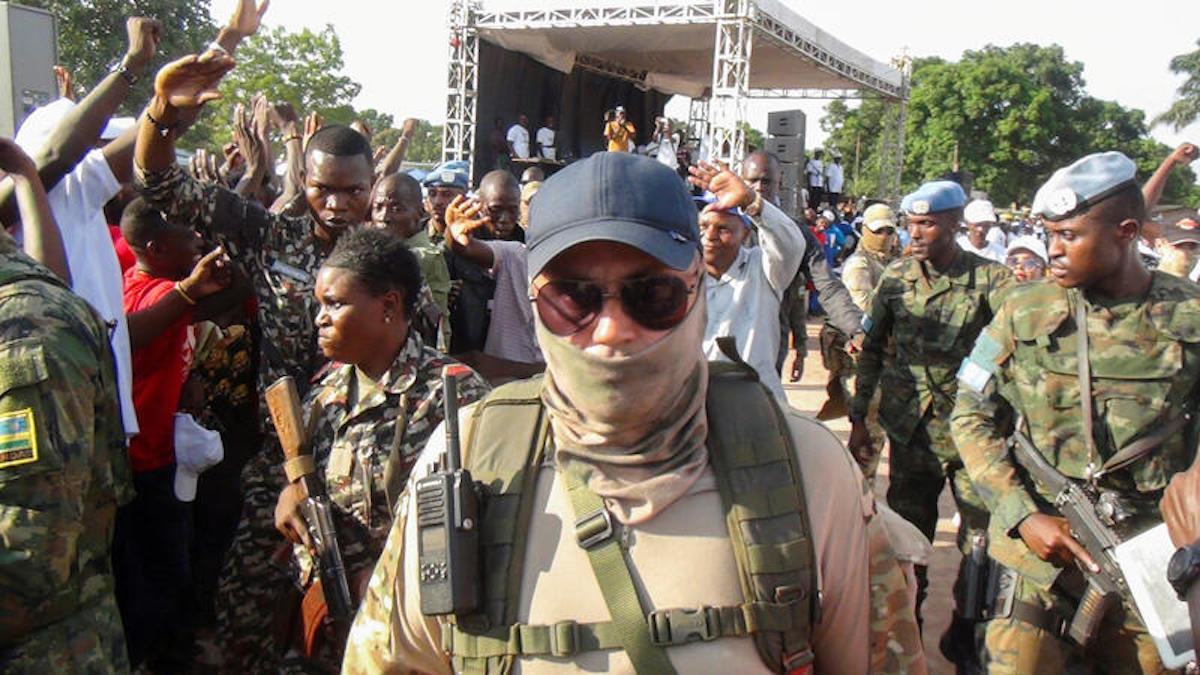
x=398, y=50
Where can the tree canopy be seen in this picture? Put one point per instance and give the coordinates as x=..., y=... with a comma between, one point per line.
x=1186, y=108
x=1013, y=114
x=91, y=37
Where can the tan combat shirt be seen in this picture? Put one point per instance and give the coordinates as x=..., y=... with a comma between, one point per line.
x=680, y=558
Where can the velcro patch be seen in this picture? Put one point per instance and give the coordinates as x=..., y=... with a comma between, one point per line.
x=986, y=350
x=973, y=376
x=18, y=438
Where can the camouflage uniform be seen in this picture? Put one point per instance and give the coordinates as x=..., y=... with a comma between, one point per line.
x=433, y=268
x=931, y=320
x=63, y=473
x=282, y=255
x=1145, y=365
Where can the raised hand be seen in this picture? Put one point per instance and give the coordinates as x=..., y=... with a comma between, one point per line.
x=203, y=166
x=13, y=159
x=730, y=190
x=261, y=109
x=211, y=274
x=247, y=18
x=362, y=128
x=192, y=81
x=1186, y=153
x=462, y=218
x=312, y=124
x=144, y=34
x=62, y=77
x=283, y=114
x=380, y=153
x=249, y=143
x=409, y=129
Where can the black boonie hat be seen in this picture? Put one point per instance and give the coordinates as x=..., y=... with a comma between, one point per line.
x=614, y=196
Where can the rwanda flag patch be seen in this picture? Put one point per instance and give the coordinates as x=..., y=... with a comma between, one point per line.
x=18, y=438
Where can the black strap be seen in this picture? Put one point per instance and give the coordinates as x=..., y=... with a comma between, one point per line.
x=1048, y=620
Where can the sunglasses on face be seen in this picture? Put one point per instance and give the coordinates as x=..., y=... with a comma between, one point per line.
x=1028, y=264
x=567, y=306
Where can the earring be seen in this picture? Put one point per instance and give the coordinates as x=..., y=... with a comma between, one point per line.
x=387, y=318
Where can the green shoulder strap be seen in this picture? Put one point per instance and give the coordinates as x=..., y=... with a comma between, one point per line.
x=758, y=475
x=760, y=485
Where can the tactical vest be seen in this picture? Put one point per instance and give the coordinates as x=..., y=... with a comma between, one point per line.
x=758, y=477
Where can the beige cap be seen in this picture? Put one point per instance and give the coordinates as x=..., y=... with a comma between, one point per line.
x=878, y=216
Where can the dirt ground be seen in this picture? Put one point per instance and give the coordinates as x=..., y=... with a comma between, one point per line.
x=808, y=395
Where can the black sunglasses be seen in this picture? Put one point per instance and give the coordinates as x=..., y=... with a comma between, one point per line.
x=567, y=306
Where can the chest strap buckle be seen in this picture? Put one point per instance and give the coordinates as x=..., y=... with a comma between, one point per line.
x=593, y=528
x=680, y=626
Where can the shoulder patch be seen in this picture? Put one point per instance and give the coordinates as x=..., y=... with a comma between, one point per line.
x=977, y=369
x=18, y=438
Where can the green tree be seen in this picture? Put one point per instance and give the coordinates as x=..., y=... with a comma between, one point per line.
x=1014, y=114
x=754, y=137
x=425, y=147
x=304, y=69
x=1186, y=109
x=91, y=37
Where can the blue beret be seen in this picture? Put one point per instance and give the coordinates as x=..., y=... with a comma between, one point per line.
x=1072, y=189
x=448, y=174
x=933, y=197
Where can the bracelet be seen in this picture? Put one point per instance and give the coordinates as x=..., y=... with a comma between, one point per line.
x=164, y=130
x=755, y=207
x=121, y=69
x=216, y=47
x=293, y=137
x=183, y=294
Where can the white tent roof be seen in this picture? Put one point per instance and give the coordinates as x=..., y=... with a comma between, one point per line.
x=672, y=43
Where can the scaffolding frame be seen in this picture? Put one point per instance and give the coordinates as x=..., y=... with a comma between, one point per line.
x=714, y=119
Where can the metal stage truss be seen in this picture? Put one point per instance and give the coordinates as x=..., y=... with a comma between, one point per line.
x=758, y=49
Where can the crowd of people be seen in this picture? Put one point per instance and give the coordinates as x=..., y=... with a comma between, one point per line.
x=610, y=344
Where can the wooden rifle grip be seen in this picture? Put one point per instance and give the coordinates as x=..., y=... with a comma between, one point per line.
x=283, y=400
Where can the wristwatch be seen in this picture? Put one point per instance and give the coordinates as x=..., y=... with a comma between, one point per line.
x=120, y=69
x=1184, y=568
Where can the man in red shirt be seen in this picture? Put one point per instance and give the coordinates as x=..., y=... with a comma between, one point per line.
x=170, y=287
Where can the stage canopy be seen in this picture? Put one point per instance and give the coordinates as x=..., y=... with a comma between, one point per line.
x=670, y=45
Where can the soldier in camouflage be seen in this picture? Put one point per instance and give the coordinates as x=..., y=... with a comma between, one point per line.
x=282, y=254
x=63, y=473
x=929, y=308
x=386, y=376
x=1142, y=347
x=860, y=274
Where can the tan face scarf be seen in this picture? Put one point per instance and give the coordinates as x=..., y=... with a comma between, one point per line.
x=874, y=242
x=638, y=422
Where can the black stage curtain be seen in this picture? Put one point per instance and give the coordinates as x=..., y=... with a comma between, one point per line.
x=511, y=83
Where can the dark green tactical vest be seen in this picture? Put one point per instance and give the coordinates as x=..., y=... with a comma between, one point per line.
x=758, y=476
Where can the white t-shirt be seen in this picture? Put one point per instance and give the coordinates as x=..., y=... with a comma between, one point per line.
x=510, y=333
x=519, y=137
x=834, y=177
x=991, y=251
x=545, y=139
x=78, y=206
x=815, y=169
x=667, y=151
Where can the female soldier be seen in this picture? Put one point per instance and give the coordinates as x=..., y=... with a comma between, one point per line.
x=383, y=372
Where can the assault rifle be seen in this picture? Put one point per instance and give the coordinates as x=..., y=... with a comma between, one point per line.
x=1093, y=522
x=317, y=509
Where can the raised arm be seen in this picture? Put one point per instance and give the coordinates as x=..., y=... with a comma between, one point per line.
x=1153, y=189
x=254, y=150
x=462, y=218
x=245, y=22
x=395, y=158
x=284, y=118
x=40, y=237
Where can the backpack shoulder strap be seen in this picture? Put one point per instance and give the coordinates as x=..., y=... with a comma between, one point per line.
x=758, y=475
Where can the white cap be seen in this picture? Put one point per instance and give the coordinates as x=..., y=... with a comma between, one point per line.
x=116, y=126
x=828, y=215
x=1029, y=243
x=35, y=130
x=979, y=211
x=196, y=450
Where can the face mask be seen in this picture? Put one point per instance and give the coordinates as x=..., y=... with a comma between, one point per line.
x=877, y=242
x=637, y=422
